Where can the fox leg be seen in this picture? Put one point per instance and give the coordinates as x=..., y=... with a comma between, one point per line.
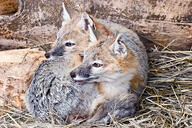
x=117, y=109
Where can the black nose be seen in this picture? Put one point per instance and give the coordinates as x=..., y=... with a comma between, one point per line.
x=47, y=55
x=72, y=74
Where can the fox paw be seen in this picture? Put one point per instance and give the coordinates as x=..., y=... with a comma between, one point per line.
x=117, y=115
x=115, y=110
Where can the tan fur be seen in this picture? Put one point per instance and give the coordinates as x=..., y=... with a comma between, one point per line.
x=101, y=28
x=8, y=7
x=72, y=31
x=131, y=61
x=139, y=78
x=76, y=60
x=123, y=64
x=100, y=88
x=136, y=83
x=112, y=64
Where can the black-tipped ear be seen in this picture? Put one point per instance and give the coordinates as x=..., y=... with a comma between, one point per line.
x=65, y=15
x=118, y=47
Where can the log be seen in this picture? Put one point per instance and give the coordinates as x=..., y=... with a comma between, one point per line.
x=16, y=70
x=164, y=23
x=35, y=23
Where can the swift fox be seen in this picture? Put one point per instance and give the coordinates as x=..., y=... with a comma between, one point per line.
x=74, y=34
x=118, y=66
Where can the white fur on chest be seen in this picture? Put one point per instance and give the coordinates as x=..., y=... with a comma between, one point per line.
x=111, y=90
x=117, y=86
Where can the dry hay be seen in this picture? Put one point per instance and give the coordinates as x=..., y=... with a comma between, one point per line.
x=166, y=102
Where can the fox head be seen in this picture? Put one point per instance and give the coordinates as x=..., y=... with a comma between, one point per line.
x=107, y=61
x=74, y=34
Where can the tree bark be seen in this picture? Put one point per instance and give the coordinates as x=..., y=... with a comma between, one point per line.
x=35, y=23
x=8, y=7
x=162, y=22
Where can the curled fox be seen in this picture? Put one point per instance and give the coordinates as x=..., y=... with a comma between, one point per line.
x=118, y=67
x=104, y=65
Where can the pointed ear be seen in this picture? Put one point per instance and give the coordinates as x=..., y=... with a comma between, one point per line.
x=87, y=24
x=119, y=47
x=92, y=36
x=65, y=15
x=86, y=21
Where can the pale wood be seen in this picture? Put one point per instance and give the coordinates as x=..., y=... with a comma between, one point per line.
x=16, y=70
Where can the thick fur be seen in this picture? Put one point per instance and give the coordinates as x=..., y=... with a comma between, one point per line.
x=121, y=107
x=53, y=95
x=123, y=71
x=96, y=93
x=78, y=30
x=72, y=33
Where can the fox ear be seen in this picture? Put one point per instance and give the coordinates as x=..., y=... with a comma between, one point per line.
x=65, y=15
x=92, y=36
x=86, y=21
x=118, y=47
x=87, y=24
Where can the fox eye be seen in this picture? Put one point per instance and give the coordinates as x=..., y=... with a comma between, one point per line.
x=69, y=44
x=97, y=65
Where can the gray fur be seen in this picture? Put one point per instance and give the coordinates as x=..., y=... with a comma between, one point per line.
x=119, y=108
x=53, y=95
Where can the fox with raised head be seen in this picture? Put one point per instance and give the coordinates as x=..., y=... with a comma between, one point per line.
x=118, y=66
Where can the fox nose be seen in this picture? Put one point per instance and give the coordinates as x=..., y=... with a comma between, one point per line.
x=47, y=55
x=72, y=74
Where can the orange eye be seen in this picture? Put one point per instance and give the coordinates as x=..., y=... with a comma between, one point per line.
x=97, y=65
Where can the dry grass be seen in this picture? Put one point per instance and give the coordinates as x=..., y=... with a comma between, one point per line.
x=166, y=102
